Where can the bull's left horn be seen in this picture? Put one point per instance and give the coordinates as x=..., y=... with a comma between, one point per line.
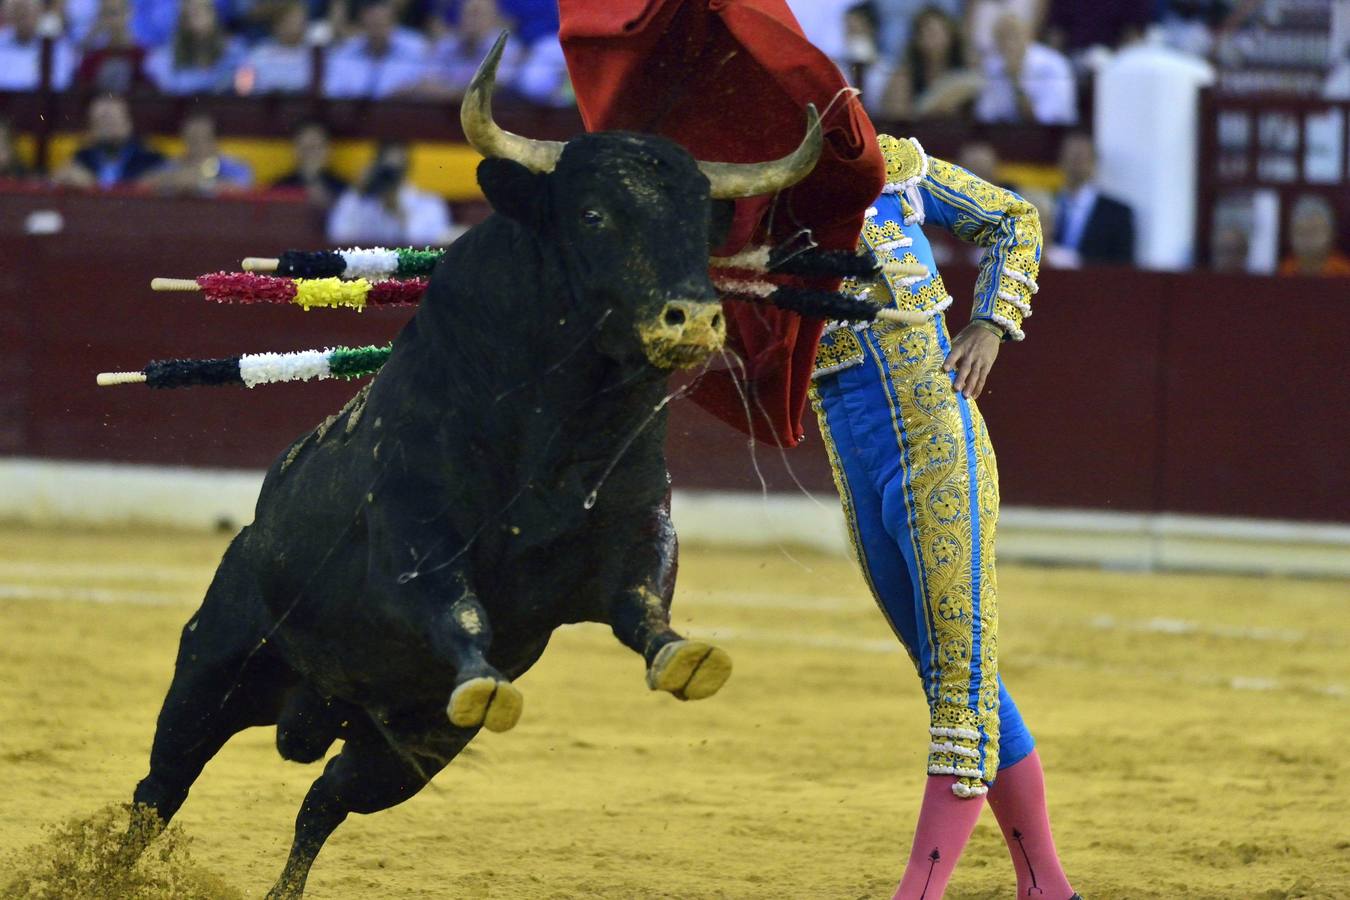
x=475, y=116
x=732, y=181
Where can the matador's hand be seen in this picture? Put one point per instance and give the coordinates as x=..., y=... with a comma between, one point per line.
x=973, y=353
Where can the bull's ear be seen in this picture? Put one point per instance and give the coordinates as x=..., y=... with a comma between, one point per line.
x=513, y=190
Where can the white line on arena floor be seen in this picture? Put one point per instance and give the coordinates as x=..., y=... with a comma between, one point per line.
x=1161, y=625
x=192, y=577
x=146, y=571
x=769, y=600
x=813, y=640
x=96, y=595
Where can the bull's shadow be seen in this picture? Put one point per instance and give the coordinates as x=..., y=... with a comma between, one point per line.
x=503, y=475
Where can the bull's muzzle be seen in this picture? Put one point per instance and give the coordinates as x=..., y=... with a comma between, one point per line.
x=684, y=334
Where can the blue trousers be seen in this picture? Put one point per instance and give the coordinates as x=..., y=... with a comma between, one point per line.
x=919, y=486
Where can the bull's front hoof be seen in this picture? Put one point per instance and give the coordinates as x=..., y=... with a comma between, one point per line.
x=691, y=670
x=493, y=704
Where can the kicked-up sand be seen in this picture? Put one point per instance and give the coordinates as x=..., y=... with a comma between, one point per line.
x=1194, y=730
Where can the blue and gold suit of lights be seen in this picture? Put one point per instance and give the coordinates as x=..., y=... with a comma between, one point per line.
x=912, y=458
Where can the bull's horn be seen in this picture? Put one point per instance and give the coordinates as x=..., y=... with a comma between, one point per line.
x=475, y=115
x=732, y=181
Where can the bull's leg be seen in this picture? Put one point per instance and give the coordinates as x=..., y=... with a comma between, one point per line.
x=456, y=621
x=370, y=774
x=223, y=682
x=210, y=700
x=689, y=669
x=640, y=617
x=482, y=695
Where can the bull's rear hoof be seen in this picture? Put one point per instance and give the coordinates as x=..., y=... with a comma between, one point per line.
x=495, y=705
x=691, y=670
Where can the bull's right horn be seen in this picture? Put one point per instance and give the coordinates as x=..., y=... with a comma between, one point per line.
x=485, y=136
x=733, y=181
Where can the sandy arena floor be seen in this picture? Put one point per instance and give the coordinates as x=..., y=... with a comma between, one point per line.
x=1194, y=729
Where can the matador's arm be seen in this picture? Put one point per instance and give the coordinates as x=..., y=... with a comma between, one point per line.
x=987, y=215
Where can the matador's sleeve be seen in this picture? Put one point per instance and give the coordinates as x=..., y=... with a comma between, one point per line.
x=985, y=214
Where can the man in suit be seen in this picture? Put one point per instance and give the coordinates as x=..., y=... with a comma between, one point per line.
x=112, y=154
x=1097, y=229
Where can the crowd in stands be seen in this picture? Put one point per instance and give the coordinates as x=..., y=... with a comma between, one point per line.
x=990, y=62
x=1030, y=60
x=384, y=207
x=343, y=48
x=996, y=60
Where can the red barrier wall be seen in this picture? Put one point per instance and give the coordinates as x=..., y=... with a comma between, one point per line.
x=1134, y=391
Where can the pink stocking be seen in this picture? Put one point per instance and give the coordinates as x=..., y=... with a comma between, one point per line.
x=945, y=824
x=1018, y=801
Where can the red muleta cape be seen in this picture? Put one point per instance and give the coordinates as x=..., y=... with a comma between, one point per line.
x=729, y=80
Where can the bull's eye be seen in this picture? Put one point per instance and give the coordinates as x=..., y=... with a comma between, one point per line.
x=593, y=217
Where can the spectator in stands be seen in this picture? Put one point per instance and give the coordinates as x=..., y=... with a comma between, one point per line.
x=112, y=154
x=21, y=49
x=980, y=158
x=1073, y=26
x=532, y=20
x=201, y=58
x=1195, y=26
x=1337, y=85
x=77, y=18
x=154, y=22
x=11, y=164
x=1097, y=228
x=932, y=80
x=455, y=57
x=283, y=63
x=1312, y=238
x=899, y=19
x=381, y=59
x=386, y=209
x=862, y=29
x=202, y=170
x=982, y=17
x=312, y=173
x=822, y=22
x=1052, y=256
x=1025, y=81
x=542, y=75
x=113, y=63
x=528, y=20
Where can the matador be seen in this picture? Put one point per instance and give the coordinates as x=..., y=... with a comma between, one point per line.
x=915, y=471
x=729, y=79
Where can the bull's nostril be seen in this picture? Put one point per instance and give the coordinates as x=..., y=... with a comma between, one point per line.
x=674, y=316
x=717, y=320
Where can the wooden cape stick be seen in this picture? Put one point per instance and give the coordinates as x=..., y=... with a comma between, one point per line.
x=107, y=379
x=174, y=284
x=903, y=316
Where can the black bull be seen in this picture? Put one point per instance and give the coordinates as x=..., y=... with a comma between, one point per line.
x=503, y=475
